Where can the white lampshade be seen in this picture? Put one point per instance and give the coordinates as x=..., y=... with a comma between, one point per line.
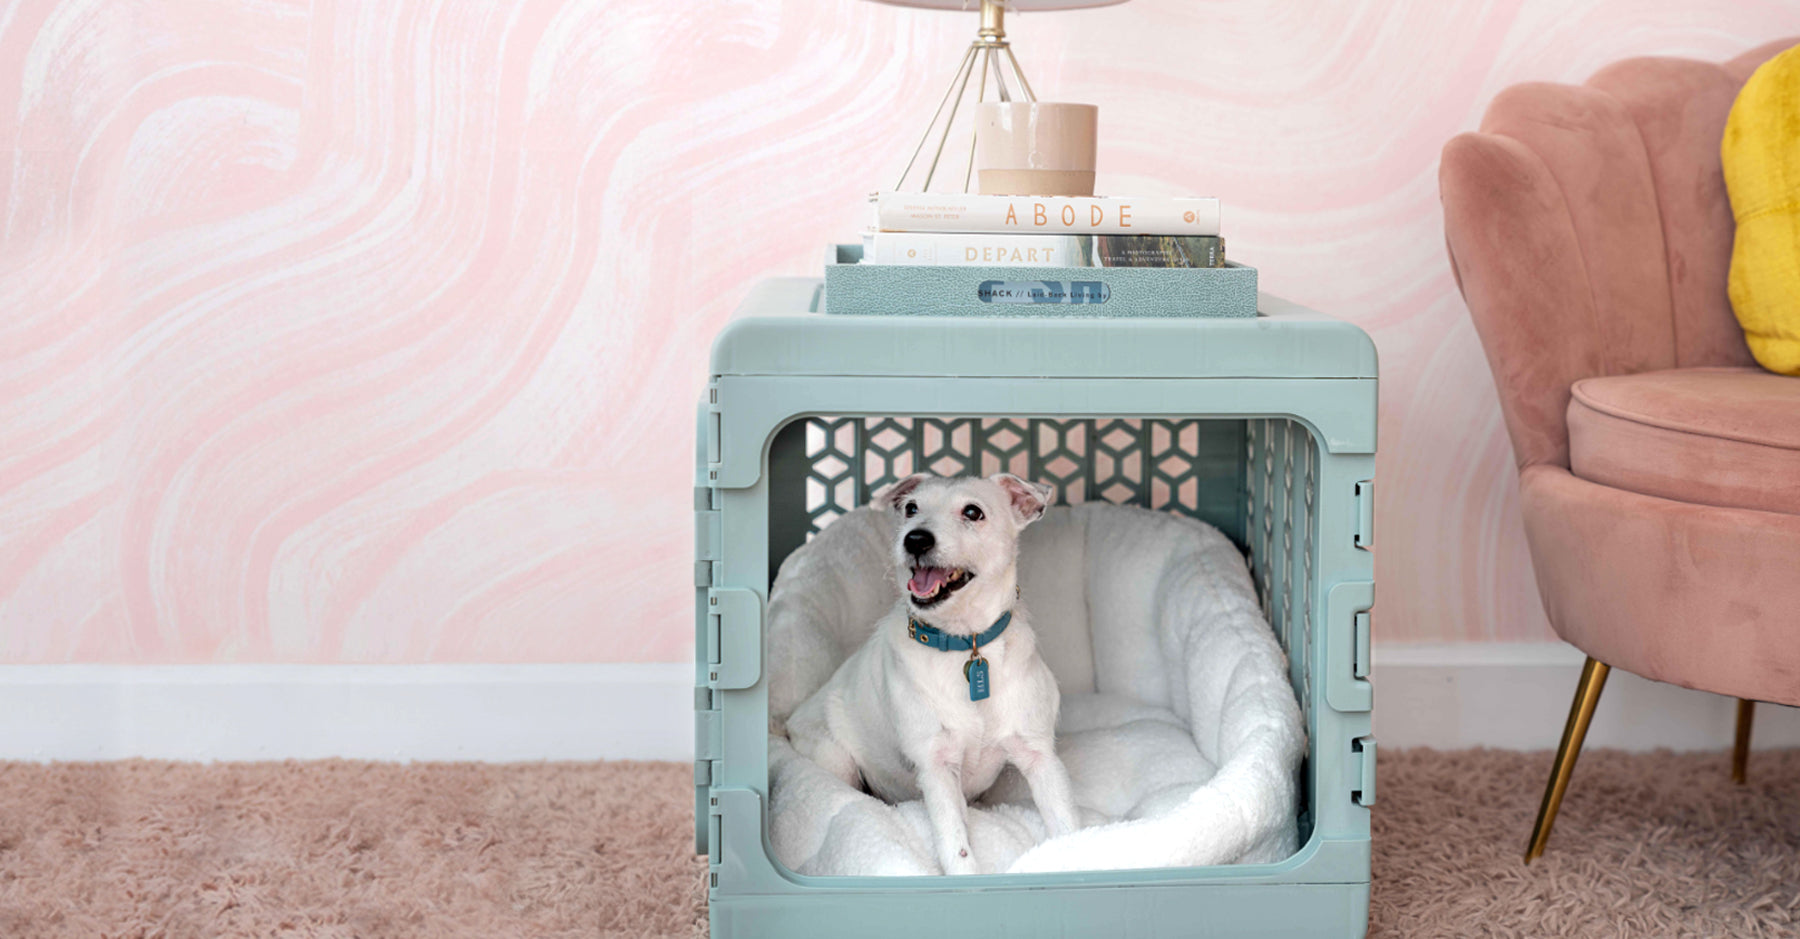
x=1016, y=6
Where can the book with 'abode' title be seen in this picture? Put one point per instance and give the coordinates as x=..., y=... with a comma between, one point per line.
x=968, y=212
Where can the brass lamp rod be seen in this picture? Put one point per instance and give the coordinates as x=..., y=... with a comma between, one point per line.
x=995, y=55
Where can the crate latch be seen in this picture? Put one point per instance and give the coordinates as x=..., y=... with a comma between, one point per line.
x=733, y=637
x=1362, y=770
x=713, y=429
x=1347, y=658
x=736, y=852
x=1360, y=664
x=1365, y=515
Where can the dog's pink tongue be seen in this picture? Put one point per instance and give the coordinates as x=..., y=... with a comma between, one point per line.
x=926, y=580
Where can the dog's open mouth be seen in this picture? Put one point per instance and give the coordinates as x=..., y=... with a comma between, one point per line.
x=931, y=586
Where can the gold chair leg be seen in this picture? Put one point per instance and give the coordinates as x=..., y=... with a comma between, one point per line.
x=1740, y=748
x=1581, y=713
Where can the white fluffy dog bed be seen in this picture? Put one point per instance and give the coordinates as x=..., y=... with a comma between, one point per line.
x=1178, y=726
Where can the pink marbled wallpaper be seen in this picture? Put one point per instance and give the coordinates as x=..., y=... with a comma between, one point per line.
x=369, y=332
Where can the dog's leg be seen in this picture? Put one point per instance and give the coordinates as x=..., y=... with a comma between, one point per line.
x=1049, y=781
x=940, y=781
x=838, y=762
x=812, y=741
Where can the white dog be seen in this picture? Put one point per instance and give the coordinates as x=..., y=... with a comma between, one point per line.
x=950, y=688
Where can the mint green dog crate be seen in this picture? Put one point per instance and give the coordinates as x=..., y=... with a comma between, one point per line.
x=1263, y=427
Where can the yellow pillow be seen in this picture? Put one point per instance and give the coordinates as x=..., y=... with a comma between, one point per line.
x=1761, y=153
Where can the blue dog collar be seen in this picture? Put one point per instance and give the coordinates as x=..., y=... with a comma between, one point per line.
x=926, y=635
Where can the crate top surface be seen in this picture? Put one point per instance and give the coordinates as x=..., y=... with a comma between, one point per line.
x=779, y=331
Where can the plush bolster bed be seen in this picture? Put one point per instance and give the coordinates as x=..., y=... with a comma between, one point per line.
x=1179, y=726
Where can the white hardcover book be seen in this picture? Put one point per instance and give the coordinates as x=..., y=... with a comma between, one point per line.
x=1111, y=215
x=971, y=249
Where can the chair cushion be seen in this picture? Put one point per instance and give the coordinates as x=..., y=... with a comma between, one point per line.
x=1727, y=437
x=1760, y=155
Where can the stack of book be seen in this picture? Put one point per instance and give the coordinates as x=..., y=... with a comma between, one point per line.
x=969, y=230
x=954, y=254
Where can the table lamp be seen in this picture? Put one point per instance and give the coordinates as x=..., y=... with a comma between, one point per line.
x=993, y=55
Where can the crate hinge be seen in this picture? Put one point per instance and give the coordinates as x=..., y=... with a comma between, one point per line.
x=733, y=637
x=1362, y=770
x=708, y=743
x=706, y=529
x=707, y=735
x=1365, y=515
x=708, y=535
x=706, y=723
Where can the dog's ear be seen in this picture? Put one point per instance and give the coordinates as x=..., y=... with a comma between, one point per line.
x=1029, y=499
x=890, y=497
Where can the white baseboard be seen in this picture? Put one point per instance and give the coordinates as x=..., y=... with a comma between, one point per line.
x=1515, y=696
x=1506, y=695
x=497, y=713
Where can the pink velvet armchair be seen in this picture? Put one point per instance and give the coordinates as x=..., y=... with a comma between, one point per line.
x=1659, y=467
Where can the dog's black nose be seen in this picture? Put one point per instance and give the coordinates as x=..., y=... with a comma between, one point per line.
x=918, y=541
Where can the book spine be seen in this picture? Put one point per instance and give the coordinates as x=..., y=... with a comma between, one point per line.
x=962, y=212
x=968, y=249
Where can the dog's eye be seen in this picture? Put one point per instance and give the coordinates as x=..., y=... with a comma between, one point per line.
x=912, y=509
x=973, y=513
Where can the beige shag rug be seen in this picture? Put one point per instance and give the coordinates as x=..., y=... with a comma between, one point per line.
x=1647, y=845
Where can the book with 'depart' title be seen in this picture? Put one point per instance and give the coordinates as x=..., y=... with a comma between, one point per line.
x=964, y=249
x=1053, y=215
x=968, y=249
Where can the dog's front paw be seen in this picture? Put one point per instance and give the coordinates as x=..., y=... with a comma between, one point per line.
x=961, y=861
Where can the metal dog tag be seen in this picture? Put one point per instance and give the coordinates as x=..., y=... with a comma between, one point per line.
x=976, y=671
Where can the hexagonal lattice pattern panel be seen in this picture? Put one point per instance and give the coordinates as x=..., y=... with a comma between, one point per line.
x=1161, y=464
x=1281, y=486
